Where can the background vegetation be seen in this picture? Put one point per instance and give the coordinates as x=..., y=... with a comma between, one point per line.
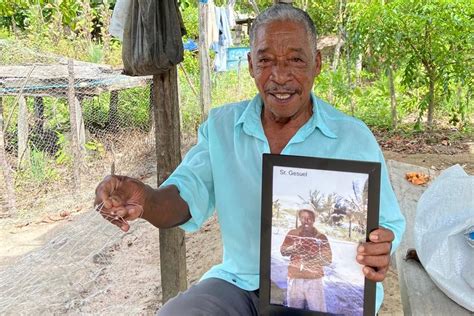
x=405, y=64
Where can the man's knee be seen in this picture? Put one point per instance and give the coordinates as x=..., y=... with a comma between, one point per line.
x=211, y=297
x=182, y=304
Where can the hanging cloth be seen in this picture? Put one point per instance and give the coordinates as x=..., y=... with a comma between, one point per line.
x=152, y=41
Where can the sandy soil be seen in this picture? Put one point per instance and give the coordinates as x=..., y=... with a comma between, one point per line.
x=133, y=259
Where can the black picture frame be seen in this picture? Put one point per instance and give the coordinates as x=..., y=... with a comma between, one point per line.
x=339, y=168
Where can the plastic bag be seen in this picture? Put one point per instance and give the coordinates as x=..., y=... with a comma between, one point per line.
x=152, y=41
x=119, y=18
x=443, y=225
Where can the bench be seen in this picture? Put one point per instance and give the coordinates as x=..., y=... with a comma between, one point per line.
x=419, y=294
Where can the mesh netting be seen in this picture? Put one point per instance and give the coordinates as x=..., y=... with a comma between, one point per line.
x=81, y=270
x=65, y=124
x=312, y=253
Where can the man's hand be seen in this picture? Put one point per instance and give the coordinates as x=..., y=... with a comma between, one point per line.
x=120, y=199
x=375, y=255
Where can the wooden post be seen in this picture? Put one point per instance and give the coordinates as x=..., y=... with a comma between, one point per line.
x=23, y=130
x=7, y=176
x=81, y=128
x=204, y=62
x=151, y=117
x=168, y=155
x=112, y=124
x=76, y=152
x=39, y=113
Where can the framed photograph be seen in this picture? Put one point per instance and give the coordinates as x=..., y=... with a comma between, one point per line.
x=315, y=212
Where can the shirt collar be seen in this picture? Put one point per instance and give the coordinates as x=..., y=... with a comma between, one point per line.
x=252, y=123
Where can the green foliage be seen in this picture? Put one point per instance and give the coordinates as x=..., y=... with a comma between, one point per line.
x=95, y=147
x=96, y=54
x=394, y=34
x=431, y=42
x=63, y=155
x=324, y=14
x=39, y=170
x=190, y=15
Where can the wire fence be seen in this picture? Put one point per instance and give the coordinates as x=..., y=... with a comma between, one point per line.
x=64, y=125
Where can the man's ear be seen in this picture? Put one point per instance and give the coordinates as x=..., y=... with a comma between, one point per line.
x=249, y=60
x=317, y=63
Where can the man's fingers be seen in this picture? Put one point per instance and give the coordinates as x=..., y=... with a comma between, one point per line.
x=374, y=261
x=104, y=191
x=375, y=275
x=117, y=220
x=381, y=235
x=373, y=249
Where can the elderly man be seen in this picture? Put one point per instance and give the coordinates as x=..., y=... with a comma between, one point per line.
x=309, y=252
x=222, y=172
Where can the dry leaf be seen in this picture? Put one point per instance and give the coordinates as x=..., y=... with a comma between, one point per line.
x=64, y=213
x=417, y=178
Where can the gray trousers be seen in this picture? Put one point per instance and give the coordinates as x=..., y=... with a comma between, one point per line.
x=212, y=297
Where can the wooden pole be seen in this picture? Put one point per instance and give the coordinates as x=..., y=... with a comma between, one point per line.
x=168, y=155
x=7, y=176
x=39, y=113
x=76, y=152
x=23, y=131
x=81, y=128
x=204, y=62
x=112, y=124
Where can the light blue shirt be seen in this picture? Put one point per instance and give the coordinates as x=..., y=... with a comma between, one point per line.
x=223, y=173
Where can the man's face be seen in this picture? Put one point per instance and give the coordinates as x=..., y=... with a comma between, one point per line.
x=284, y=67
x=306, y=220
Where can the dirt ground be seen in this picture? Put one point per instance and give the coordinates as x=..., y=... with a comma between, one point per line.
x=140, y=249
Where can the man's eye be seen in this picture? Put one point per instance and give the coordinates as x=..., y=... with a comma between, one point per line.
x=264, y=60
x=297, y=60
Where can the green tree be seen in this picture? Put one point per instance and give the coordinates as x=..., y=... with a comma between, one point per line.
x=432, y=42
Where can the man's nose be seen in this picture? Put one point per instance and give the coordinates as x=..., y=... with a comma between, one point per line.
x=281, y=72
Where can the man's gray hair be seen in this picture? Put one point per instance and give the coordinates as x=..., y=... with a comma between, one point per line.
x=285, y=12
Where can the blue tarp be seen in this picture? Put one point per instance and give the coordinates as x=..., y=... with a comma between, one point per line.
x=190, y=45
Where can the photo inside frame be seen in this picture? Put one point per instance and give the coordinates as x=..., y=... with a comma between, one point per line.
x=318, y=219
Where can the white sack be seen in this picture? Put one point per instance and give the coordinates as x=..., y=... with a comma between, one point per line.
x=444, y=219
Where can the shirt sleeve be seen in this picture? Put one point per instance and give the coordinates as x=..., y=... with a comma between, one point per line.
x=390, y=215
x=193, y=178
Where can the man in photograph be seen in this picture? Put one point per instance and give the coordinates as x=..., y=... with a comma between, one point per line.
x=309, y=252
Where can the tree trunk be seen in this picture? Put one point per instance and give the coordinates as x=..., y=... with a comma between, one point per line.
x=431, y=98
x=393, y=99
x=358, y=67
x=75, y=147
x=350, y=228
x=168, y=155
x=6, y=170
x=204, y=62
x=340, y=40
x=349, y=79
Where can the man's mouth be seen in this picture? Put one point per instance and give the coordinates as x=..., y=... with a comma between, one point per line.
x=282, y=96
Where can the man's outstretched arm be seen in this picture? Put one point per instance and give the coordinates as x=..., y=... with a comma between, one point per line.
x=122, y=199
